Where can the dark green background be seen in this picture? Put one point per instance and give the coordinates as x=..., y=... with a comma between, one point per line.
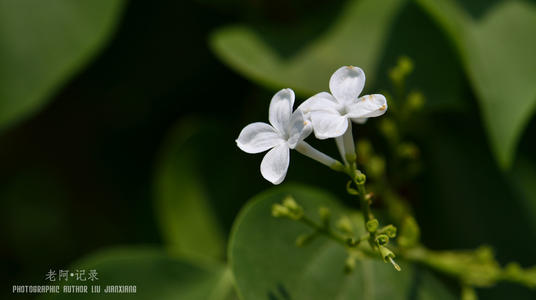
x=79, y=175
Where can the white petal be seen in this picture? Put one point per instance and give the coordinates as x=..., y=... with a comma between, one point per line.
x=311, y=152
x=328, y=125
x=347, y=83
x=258, y=137
x=299, y=129
x=281, y=109
x=274, y=165
x=321, y=101
x=368, y=106
x=360, y=120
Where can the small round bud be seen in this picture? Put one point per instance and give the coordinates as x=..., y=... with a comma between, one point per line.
x=405, y=65
x=513, y=269
x=389, y=130
x=279, y=211
x=372, y=225
x=290, y=203
x=484, y=253
x=351, y=242
x=305, y=239
x=324, y=214
x=295, y=211
x=415, y=101
x=408, y=150
x=468, y=293
x=344, y=224
x=360, y=178
x=349, y=264
x=382, y=239
x=390, y=230
x=376, y=166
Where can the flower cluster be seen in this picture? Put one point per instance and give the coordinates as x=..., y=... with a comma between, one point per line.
x=328, y=115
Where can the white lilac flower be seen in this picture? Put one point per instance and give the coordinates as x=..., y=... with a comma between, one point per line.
x=287, y=131
x=332, y=114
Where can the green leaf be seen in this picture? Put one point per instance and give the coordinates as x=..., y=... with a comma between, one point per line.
x=42, y=44
x=183, y=207
x=155, y=274
x=498, y=54
x=267, y=264
x=357, y=37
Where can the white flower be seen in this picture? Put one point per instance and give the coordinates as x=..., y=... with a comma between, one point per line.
x=286, y=131
x=331, y=114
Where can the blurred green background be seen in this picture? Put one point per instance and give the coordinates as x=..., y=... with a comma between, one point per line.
x=118, y=119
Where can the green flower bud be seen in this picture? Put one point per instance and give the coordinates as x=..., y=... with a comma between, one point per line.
x=305, y=239
x=382, y=239
x=388, y=256
x=386, y=253
x=408, y=150
x=396, y=76
x=485, y=253
x=349, y=264
x=360, y=178
x=468, y=293
x=405, y=65
x=389, y=130
x=376, y=166
x=351, y=242
x=290, y=203
x=279, y=211
x=513, y=269
x=390, y=230
x=415, y=101
x=403, y=68
x=344, y=224
x=324, y=214
x=295, y=210
x=372, y=225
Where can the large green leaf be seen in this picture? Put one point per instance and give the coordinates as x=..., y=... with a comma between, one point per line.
x=356, y=37
x=155, y=274
x=187, y=220
x=267, y=264
x=498, y=53
x=42, y=44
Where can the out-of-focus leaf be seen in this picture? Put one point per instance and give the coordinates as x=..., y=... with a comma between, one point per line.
x=467, y=201
x=155, y=274
x=498, y=53
x=267, y=264
x=184, y=210
x=357, y=37
x=42, y=44
x=414, y=34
